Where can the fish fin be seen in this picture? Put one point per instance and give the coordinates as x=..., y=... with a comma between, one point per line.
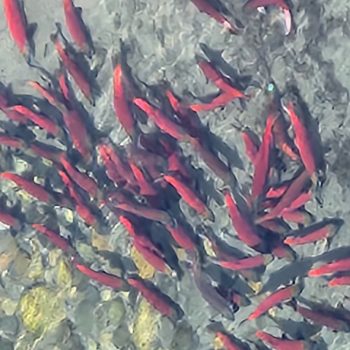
x=292, y=303
x=215, y=326
x=13, y=231
x=210, y=52
x=101, y=54
x=31, y=29
x=59, y=28
x=242, y=322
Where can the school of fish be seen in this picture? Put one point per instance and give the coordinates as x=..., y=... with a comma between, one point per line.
x=145, y=183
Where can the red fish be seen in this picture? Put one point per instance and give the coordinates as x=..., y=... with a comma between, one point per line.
x=74, y=70
x=146, y=188
x=210, y=293
x=181, y=237
x=206, y=7
x=156, y=298
x=111, y=169
x=323, y=318
x=275, y=226
x=262, y=164
x=251, y=144
x=294, y=189
x=175, y=164
x=333, y=267
x=145, y=246
x=142, y=239
x=245, y=230
x=37, y=191
x=45, y=151
x=16, y=23
x=301, y=217
x=315, y=233
x=276, y=192
x=63, y=84
x=300, y=201
x=38, y=119
x=54, y=237
x=75, y=26
x=218, y=79
x=227, y=341
x=339, y=281
x=78, y=133
x=218, y=102
x=15, y=116
x=47, y=94
x=81, y=179
x=122, y=167
x=83, y=211
x=188, y=195
x=175, y=103
x=102, y=277
x=282, y=251
x=121, y=105
x=282, y=343
x=302, y=141
x=150, y=255
x=187, y=117
x=212, y=161
x=282, y=139
x=9, y=220
x=246, y=263
x=148, y=162
x=274, y=299
x=144, y=211
x=12, y=141
x=162, y=121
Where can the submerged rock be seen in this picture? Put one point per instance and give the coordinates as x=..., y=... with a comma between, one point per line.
x=40, y=309
x=145, y=326
x=183, y=338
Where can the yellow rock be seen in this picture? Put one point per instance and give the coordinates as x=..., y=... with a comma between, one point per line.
x=116, y=310
x=41, y=309
x=145, y=269
x=39, y=180
x=53, y=256
x=106, y=340
x=47, y=162
x=181, y=254
x=9, y=251
x=272, y=312
x=218, y=344
x=69, y=215
x=21, y=166
x=145, y=326
x=72, y=293
x=100, y=242
x=92, y=345
x=106, y=294
x=24, y=196
x=64, y=276
x=85, y=251
x=208, y=247
x=256, y=286
x=9, y=306
x=21, y=263
x=6, y=259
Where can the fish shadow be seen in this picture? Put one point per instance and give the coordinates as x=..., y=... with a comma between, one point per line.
x=300, y=268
